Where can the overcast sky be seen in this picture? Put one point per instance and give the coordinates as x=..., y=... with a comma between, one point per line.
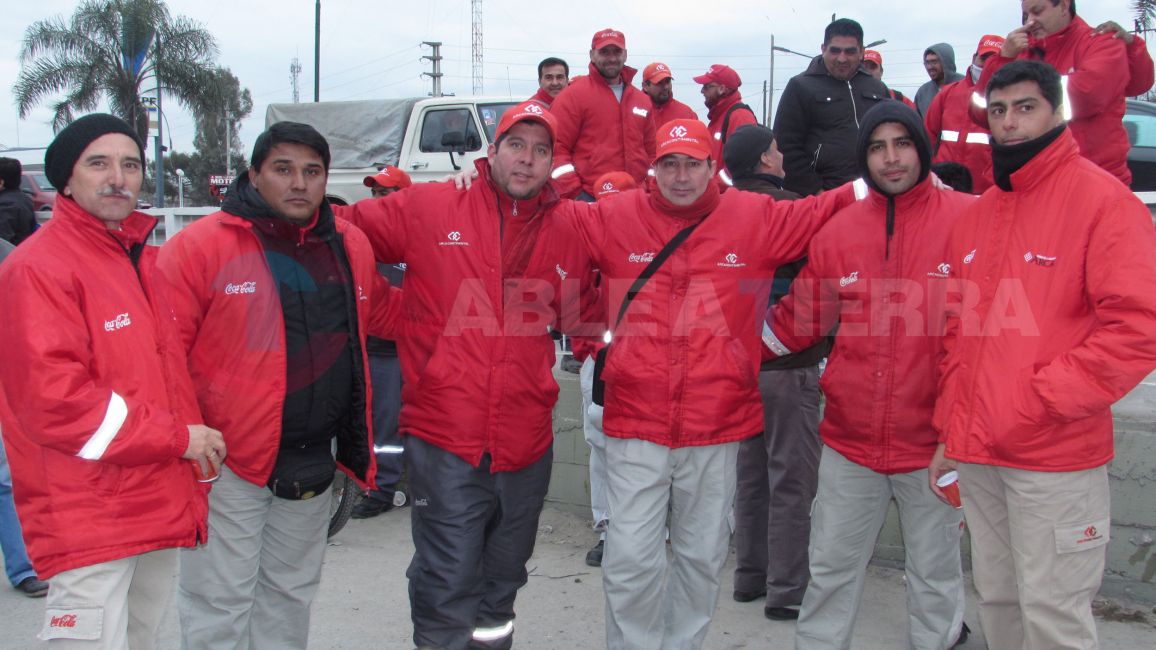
x=373, y=49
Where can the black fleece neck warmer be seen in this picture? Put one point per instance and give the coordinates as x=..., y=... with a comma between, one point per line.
x=1007, y=159
x=898, y=112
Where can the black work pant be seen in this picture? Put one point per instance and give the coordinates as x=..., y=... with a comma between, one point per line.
x=473, y=532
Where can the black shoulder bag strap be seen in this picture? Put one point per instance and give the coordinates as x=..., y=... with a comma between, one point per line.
x=727, y=121
x=599, y=389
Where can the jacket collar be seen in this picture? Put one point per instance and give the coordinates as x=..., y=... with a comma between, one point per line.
x=1057, y=40
x=542, y=97
x=918, y=194
x=819, y=69
x=723, y=105
x=627, y=75
x=546, y=198
x=1044, y=165
x=133, y=230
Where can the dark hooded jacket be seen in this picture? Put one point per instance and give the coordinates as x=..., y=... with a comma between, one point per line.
x=884, y=258
x=929, y=90
x=817, y=124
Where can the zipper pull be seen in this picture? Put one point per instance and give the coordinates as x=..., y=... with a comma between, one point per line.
x=515, y=212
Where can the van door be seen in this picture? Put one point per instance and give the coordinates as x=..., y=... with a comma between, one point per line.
x=449, y=139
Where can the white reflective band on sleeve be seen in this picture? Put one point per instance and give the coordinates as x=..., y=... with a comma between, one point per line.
x=562, y=170
x=726, y=178
x=979, y=100
x=978, y=138
x=607, y=336
x=388, y=449
x=650, y=172
x=493, y=633
x=114, y=417
x=949, y=136
x=718, y=136
x=1068, y=115
x=860, y=187
x=642, y=112
x=772, y=342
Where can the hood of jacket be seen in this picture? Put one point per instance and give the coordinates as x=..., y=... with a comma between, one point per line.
x=893, y=111
x=946, y=54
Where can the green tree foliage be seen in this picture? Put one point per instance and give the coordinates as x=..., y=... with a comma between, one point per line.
x=114, y=50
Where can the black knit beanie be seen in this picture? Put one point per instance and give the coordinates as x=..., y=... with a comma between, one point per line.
x=65, y=150
x=745, y=148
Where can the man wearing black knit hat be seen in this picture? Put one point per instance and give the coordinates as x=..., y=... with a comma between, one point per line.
x=100, y=419
x=878, y=270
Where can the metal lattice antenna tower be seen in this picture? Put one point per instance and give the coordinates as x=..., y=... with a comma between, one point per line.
x=476, y=6
x=294, y=72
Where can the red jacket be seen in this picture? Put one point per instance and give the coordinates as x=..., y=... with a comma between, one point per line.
x=672, y=110
x=95, y=401
x=1057, y=280
x=683, y=367
x=484, y=276
x=880, y=378
x=717, y=115
x=1096, y=68
x=955, y=137
x=598, y=134
x=232, y=326
x=543, y=98
x=1140, y=72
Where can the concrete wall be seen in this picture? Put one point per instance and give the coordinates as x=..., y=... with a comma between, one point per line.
x=1131, y=568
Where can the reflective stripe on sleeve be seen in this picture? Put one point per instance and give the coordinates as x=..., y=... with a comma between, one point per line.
x=949, y=136
x=561, y=171
x=1068, y=115
x=860, y=187
x=114, y=417
x=979, y=100
x=978, y=138
x=726, y=178
x=493, y=633
x=388, y=449
x=772, y=342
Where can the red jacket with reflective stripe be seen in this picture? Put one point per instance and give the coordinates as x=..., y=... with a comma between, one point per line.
x=475, y=353
x=717, y=115
x=956, y=137
x=682, y=369
x=598, y=134
x=233, y=328
x=1057, y=282
x=95, y=401
x=672, y=110
x=1096, y=67
x=543, y=98
x=880, y=378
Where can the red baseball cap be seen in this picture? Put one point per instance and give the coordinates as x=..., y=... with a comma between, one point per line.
x=608, y=36
x=526, y=111
x=389, y=176
x=689, y=137
x=989, y=43
x=872, y=55
x=613, y=183
x=656, y=73
x=722, y=75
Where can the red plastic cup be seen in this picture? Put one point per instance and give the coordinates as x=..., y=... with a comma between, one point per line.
x=949, y=485
x=201, y=476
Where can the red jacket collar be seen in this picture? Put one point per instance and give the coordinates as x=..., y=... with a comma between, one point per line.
x=542, y=97
x=1055, y=41
x=545, y=198
x=721, y=107
x=918, y=194
x=133, y=230
x=1044, y=165
x=627, y=74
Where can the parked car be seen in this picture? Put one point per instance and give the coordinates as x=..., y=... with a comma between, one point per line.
x=36, y=186
x=1140, y=124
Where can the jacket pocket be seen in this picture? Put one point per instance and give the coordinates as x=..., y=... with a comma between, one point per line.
x=737, y=353
x=1029, y=407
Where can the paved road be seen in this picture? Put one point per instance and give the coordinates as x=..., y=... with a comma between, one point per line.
x=363, y=602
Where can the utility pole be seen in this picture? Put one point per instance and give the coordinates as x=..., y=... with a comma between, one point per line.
x=436, y=60
x=476, y=6
x=229, y=142
x=317, y=54
x=160, y=149
x=294, y=73
x=770, y=87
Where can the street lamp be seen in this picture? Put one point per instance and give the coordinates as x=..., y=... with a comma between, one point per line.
x=872, y=44
x=181, y=188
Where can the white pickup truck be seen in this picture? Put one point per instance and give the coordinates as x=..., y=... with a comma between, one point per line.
x=427, y=137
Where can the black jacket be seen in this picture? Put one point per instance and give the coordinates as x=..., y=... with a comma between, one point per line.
x=784, y=275
x=817, y=126
x=17, y=218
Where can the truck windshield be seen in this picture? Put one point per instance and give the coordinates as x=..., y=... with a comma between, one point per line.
x=491, y=114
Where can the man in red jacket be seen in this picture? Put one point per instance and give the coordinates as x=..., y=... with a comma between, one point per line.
x=99, y=416
x=681, y=377
x=657, y=82
x=1053, y=319
x=274, y=300
x=878, y=271
x=955, y=137
x=1098, y=75
x=553, y=77
x=726, y=110
x=604, y=123
x=484, y=278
